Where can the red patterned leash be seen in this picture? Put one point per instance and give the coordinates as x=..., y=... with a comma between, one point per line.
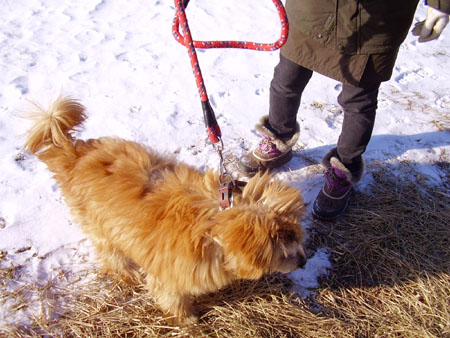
x=227, y=184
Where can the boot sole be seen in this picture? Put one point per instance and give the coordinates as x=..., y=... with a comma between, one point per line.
x=332, y=217
x=267, y=165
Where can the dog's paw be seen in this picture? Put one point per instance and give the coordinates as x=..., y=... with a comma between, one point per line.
x=190, y=320
x=186, y=321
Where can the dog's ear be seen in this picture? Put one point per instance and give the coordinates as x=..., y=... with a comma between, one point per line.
x=254, y=189
x=247, y=242
x=273, y=195
x=283, y=199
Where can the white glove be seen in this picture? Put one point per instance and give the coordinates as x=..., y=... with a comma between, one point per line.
x=433, y=25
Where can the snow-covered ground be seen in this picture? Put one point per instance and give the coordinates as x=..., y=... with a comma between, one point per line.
x=120, y=60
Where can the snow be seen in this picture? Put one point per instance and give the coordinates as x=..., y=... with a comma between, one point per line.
x=120, y=60
x=305, y=279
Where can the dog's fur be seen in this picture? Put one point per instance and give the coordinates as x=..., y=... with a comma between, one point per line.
x=146, y=212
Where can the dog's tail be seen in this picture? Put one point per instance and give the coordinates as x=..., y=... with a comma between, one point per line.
x=54, y=126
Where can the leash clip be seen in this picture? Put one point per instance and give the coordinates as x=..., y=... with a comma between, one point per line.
x=226, y=180
x=226, y=195
x=226, y=189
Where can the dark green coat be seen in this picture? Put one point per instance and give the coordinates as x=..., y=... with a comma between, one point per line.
x=352, y=41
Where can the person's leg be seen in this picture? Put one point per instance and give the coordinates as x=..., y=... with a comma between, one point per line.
x=279, y=129
x=359, y=105
x=286, y=90
x=344, y=163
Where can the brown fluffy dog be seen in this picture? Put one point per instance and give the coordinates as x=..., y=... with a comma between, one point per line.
x=145, y=212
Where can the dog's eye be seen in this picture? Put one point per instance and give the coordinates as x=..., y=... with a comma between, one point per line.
x=287, y=236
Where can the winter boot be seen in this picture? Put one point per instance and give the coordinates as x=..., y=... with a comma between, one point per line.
x=332, y=200
x=271, y=152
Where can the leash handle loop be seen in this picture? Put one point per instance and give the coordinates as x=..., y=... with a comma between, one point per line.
x=238, y=44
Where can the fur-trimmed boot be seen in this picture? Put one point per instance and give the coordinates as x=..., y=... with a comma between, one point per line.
x=271, y=152
x=332, y=200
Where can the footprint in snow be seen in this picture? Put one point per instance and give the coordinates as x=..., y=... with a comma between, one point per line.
x=98, y=7
x=416, y=75
x=21, y=83
x=135, y=109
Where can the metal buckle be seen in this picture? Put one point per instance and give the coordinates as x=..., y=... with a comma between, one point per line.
x=226, y=195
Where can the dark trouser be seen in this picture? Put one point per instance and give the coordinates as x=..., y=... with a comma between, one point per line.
x=359, y=105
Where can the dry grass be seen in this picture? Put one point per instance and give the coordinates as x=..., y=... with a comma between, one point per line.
x=391, y=261
x=390, y=278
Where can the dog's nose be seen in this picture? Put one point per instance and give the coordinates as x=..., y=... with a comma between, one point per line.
x=301, y=261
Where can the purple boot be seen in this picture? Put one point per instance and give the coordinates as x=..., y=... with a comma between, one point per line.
x=332, y=200
x=271, y=152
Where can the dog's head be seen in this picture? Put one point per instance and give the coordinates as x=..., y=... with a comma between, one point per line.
x=262, y=232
